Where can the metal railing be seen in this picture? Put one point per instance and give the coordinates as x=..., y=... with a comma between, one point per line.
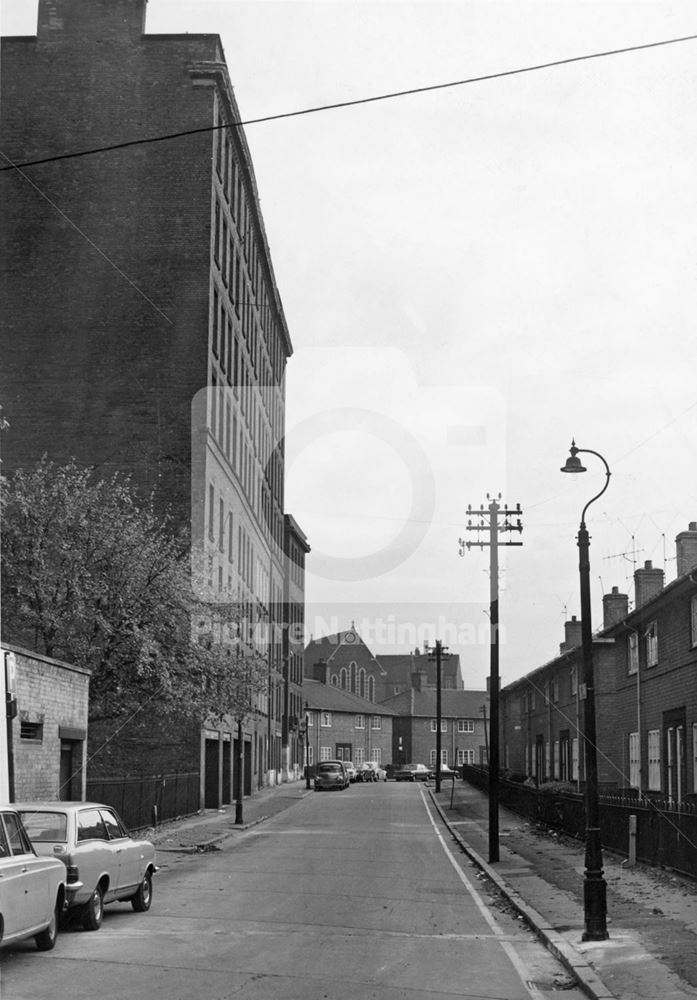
x=146, y=801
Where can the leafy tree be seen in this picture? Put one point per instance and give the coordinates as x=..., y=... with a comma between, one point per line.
x=91, y=574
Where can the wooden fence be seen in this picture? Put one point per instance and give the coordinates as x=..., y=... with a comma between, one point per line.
x=141, y=802
x=666, y=831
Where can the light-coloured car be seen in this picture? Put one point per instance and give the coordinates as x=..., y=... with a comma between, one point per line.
x=32, y=888
x=350, y=769
x=372, y=771
x=104, y=863
x=331, y=774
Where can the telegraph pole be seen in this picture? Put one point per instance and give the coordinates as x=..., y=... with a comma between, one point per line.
x=440, y=653
x=488, y=521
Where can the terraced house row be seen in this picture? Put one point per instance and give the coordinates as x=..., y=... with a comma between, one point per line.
x=645, y=664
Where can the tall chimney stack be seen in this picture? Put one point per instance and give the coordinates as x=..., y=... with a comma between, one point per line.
x=572, y=635
x=648, y=581
x=615, y=607
x=686, y=549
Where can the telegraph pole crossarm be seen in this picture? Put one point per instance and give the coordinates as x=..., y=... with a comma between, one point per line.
x=486, y=520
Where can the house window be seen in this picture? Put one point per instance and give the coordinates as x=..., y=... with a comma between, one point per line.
x=465, y=756
x=326, y=720
x=358, y=755
x=443, y=725
x=376, y=755
x=632, y=652
x=652, y=645
x=634, y=760
x=360, y=722
x=693, y=619
x=376, y=722
x=465, y=725
x=31, y=731
x=310, y=719
x=574, y=759
x=443, y=758
x=555, y=689
x=325, y=753
x=654, y=755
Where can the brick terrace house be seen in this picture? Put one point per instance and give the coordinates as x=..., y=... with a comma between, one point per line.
x=343, y=726
x=645, y=664
x=163, y=353
x=464, y=726
x=48, y=734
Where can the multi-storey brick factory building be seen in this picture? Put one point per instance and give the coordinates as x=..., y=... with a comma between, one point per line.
x=142, y=329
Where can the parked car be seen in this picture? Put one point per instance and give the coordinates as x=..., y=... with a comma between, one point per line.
x=32, y=888
x=370, y=770
x=350, y=769
x=331, y=774
x=446, y=772
x=104, y=863
x=412, y=772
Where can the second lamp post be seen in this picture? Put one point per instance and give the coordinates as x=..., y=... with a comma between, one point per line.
x=594, y=886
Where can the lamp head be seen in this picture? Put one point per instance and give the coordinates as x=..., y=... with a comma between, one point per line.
x=573, y=463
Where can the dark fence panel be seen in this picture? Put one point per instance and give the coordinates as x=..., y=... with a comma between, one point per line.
x=666, y=831
x=135, y=799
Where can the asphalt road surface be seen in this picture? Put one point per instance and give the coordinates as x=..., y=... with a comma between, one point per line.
x=349, y=895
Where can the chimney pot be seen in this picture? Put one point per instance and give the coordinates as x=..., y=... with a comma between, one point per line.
x=686, y=549
x=615, y=607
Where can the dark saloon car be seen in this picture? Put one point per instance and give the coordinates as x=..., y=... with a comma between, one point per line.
x=331, y=774
x=412, y=772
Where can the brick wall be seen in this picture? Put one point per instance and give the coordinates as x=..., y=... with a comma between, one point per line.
x=52, y=703
x=343, y=730
x=104, y=260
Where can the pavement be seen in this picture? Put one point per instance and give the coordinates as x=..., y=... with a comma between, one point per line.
x=651, y=951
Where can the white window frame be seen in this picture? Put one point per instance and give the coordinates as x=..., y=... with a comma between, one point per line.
x=326, y=721
x=443, y=725
x=654, y=759
x=652, y=644
x=325, y=753
x=376, y=722
x=465, y=725
x=360, y=722
x=358, y=755
x=465, y=756
x=376, y=754
x=632, y=653
x=634, y=760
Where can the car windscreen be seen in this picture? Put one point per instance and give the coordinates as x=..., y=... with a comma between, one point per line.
x=45, y=827
x=335, y=768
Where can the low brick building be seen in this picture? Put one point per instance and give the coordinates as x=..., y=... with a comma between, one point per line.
x=342, y=726
x=48, y=735
x=464, y=726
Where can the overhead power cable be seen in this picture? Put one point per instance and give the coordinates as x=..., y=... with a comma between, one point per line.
x=354, y=103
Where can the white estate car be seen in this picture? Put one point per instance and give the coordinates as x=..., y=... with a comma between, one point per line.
x=32, y=888
x=104, y=863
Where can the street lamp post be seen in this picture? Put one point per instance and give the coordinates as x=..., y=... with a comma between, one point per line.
x=594, y=886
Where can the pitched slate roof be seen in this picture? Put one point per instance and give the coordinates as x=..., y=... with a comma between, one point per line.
x=454, y=704
x=400, y=666
x=326, y=697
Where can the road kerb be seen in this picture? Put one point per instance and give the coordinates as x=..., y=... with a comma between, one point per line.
x=553, y=940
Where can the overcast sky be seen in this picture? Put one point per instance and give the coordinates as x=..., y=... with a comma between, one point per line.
x=471, y=277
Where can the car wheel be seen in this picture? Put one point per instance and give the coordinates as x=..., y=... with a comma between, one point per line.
x=143, y=898
x=46, y=940
x=93, y=913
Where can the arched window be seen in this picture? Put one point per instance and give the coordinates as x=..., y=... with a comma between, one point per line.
x=371, y=688
x=343, y=678
x=335, y=680
x=361, y=682
x=352, y=668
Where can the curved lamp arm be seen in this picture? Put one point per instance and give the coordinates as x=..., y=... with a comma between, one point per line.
x=589, y=451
